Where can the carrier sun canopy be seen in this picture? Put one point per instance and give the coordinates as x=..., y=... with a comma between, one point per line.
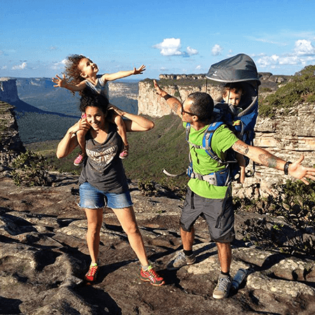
x=239, y=68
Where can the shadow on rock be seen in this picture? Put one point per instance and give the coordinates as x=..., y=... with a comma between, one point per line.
x=10, y=306
x=99, y=299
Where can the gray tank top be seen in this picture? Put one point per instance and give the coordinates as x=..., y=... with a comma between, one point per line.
x=103, y=168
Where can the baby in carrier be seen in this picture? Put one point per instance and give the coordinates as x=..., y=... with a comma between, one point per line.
x=232, y=94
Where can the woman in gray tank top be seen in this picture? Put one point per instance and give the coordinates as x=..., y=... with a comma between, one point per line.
x=103, y=181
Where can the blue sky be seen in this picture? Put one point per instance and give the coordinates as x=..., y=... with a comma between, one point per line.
x=167, y=36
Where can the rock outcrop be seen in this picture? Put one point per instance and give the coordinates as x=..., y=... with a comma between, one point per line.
x=150, y=104
x=8, y=90
x=10, y=143
x=44, y=256
x=288, y=137
x=43, y=252
x=181, y=85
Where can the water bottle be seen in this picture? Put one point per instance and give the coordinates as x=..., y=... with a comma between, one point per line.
x=238, y=278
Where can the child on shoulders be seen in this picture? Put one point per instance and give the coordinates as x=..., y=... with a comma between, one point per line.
x=81, y=72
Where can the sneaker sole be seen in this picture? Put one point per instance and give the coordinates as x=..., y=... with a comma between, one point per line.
x=154, y=284
x=175, y=268
x=219, y=297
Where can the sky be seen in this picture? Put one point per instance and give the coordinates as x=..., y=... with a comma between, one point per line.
x=168, y=37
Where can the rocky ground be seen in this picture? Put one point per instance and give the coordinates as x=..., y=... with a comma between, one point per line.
x=43, y=258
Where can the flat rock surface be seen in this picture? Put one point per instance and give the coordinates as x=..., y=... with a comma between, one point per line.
x=44, y=256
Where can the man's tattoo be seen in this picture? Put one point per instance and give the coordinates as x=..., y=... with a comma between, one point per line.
x=174, y=104
x=240, y=148
x=267, y=160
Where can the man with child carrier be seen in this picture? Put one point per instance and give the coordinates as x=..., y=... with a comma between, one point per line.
x=212, y=144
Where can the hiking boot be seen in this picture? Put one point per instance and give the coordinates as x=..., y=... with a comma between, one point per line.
x=79, y=160
x=91, y=274
x=181, y=260
x=223, y=287
x=152, y=276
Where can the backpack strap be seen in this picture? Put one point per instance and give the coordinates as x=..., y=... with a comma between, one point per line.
x=207, y=139
x=219, y=178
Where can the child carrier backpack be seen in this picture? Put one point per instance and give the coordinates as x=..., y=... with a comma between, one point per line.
x=237, y=69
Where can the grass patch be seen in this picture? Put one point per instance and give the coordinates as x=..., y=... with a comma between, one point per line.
x=299, y=90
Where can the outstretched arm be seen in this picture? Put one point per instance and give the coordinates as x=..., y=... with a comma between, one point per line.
x=62, y=82
x=122, y=74
x=171, y=101
x=134, y=122
x=265, y=158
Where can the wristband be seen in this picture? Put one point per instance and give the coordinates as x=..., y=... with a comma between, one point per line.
x=167, y=96
x=286, y=168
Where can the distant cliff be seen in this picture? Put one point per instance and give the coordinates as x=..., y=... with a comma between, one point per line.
x=150, y=104
x=41, y=93
x=8, y=90
x=181, y=85
x=10, y=143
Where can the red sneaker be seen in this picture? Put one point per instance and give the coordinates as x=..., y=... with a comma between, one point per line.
x=79, y=160
x=124, y=153
x=151, y=276
x=91, y=274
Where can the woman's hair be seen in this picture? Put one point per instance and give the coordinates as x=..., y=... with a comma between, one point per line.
x=90, y=98
x=72, y=71
x=236, y=88
x=202, y=105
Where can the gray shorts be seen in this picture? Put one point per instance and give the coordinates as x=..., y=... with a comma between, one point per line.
x=219, y=214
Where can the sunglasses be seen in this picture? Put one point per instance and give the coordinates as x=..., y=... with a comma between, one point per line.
x=188, y=113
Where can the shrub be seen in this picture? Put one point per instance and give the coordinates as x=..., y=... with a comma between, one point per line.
x=301, y=88
x=30, y=170
x=295, y=202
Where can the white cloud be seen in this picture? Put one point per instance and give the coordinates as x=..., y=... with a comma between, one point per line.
x=20, y=67
x=172, y=47
x=60, y=64
x=198, y=67
x=216, y=50
x=53, y=48
x=4, y=67
x=303, y=54
x=191, y=51
x=169, y=47
x=304, y=47
x=265, y=40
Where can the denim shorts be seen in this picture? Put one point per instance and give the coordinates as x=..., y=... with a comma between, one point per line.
x=92, y=198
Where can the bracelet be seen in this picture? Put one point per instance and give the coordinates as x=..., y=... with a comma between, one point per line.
x=286, y=168
x=167, y=96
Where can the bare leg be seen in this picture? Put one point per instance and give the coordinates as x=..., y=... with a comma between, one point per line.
x=225, y=256
x=127, y=219
x=241, y=162
x=94, y=220
x=121, y=129
x=187, y=238
x=81, y=140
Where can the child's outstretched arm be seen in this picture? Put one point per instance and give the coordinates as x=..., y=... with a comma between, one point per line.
x=122, y=74
x=62, y=82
